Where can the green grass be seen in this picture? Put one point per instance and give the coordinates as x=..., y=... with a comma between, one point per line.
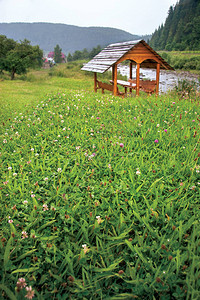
x=182, y=53
x=183, y=60
x=99, y=194
x=26, y=91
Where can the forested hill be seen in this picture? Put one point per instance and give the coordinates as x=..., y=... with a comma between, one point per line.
x=70, y=38
x=181, y=30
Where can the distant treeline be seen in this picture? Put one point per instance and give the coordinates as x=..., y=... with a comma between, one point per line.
x=84, y=54
x=181, y=30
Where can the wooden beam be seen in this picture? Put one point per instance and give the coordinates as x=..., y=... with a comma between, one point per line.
x=157, y=78
x=138, y=58
x=95, y=82
x=115, y=80
x=137, y=79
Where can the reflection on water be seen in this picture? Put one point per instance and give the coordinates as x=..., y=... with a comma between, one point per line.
x=168, y=79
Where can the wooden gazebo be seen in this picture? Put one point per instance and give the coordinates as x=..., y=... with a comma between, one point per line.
x=139, y=53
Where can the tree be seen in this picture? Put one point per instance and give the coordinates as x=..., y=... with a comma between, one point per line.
x=77, y=55
x=69, y=57
x=181, y=30
x=58, y=54
x=16, y=58
x=6, y=45
x=95, y=51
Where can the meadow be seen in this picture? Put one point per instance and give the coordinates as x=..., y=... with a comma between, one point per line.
x=183, y=60
x=99, y=194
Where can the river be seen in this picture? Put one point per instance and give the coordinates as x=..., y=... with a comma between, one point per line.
x=168, y=79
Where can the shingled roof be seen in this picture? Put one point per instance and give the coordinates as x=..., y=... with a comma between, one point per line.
x=114, y=52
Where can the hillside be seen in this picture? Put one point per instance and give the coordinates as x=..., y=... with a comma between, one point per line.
x=181, y=30
x=70, y=38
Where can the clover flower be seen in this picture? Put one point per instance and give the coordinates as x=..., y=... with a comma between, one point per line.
x=99, y=220
x=156, y=141
x=45, y=207
x=138, y=172
x=59, y=170
x=24, y=235
x=21, y=283
x=85, y=248
x=30, y=292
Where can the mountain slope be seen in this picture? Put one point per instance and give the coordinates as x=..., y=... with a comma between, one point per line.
x=181, y=30
x=70, y=38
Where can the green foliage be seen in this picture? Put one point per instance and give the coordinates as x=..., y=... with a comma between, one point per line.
x=181, y=30
x=16, y=58
x=58, y=54
x=100, y=209
x=85, y=54
x=6, y=45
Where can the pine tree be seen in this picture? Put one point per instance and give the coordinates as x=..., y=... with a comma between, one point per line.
x=181, y=30
x=58, y=54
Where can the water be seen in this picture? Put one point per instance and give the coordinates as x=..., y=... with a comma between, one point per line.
x=168, y=79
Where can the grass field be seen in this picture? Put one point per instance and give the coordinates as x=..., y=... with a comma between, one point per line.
x=99, y=194
x=183, y=60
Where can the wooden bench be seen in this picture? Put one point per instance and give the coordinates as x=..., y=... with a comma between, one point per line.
x=106, y=86
x=147, y=86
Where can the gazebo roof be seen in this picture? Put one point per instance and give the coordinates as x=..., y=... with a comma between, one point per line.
x=114, y=52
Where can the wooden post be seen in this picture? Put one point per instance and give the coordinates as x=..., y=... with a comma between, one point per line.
x=95, y=82
x=131, y=75
x=137, y=79
x=113, y=71
x=157, y=79
x=115, y=79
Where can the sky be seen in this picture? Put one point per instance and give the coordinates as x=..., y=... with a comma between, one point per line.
x=134, y=16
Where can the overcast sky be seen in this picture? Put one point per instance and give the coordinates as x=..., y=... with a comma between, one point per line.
x=135, y=16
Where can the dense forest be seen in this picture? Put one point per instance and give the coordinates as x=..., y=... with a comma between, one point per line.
x=181, y=30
